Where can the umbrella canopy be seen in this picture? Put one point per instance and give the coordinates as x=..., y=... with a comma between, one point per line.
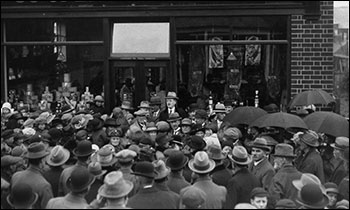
x=329, y=123
x=279, y=119
x=311, y=97
x=244, y=115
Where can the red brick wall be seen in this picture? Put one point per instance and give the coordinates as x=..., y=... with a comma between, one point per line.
x=312, y=51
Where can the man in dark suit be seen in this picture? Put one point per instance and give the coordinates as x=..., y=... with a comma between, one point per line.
x=243, y=182
x=171, y=101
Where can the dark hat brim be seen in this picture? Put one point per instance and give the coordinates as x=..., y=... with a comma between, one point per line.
x=36, y=156
x=31, y=203
x=148, y=175
x=75, y=152
x=179, y=166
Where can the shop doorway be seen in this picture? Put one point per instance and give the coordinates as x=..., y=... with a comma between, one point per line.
x=138, y=80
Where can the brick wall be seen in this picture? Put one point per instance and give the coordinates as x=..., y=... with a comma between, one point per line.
x=312, y=51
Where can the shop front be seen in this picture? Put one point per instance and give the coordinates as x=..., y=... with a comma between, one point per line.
x=238, y=52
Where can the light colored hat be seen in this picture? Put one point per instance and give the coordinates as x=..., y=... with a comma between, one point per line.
x=95, y=169
x=240, y=155
x=192, y=197
x=186, y=121
x=310, y=138
x=115, y=186
x=104, y=156
x=201, y=163
x=171, y=95
x=260, y=143
x=126, y=155
x=29, y=123
x=161, y=169
x=28, y=131
x=233, y=133
x=141, y=112
x=307, y=178
x=284, y=150
x=36, y=150
x=341, y=143
x=214, y=152
x=219, y=108
x=126, y=105
x=343, y=204
x=58, y=156
x=244, y=206
x=99, y=98
x=151, y=127
x=145, y=104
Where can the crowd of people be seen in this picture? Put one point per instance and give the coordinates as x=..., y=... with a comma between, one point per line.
x=153, y=158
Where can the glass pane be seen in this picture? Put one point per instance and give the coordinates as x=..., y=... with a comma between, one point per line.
x=231, y=28
x=140, y=40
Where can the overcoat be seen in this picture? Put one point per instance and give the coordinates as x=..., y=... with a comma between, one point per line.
x=164, y=115
x=67, y=202
x=176, y=182
x=264, y=171
x=239, y=188
x=221, y=175
x=311, y=162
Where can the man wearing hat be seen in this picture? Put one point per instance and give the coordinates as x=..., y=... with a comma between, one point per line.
x=242, y=182
x=177, y=161
x=79, y=184
x=83, y=152
x=220, y=175
x=174, y=121
x=148, y=197
x=220, y=113
x=155, y=103
x=126, y=159
x=282, y=183
x=95, y=169
x=333, y=194
x=56, y=159
x=114, y=192
x=308, y=159
x=126, y=108
x=145, y=106
x=339, y=172
x=201, y=165
x=171, y=101
x=22, y=196
x=343, y=186
x=261, y=167
x=160, y=182
x=140, y=122
x=97, y=106
x=311, y=196
x=201, y=117
x=186, y=126
x=33, y=174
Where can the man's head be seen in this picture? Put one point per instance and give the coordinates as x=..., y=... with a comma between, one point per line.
x=258, y=198
x=171, y=100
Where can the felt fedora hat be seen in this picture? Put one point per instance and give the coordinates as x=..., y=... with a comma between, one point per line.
x=111, y=122
x=145, y=105
x=214, y=152
x=36, y=150
x=80, y=179
x=240, y=155
x=186, y=122
x=151, y=127
x=104, y=156
x=58, y=156
x=155, y=100
x=201, y=163
x=341, y=143
x=310, y=138
x=285, y=204
x=311, y=196
x=331, y=187
x=176, y=160
x=126, y=105
x=22, y=195
x=126, y=155
x=197, y=143
x=171, y=95
x=115, y=186
x=307, y=178
x=284, y=150
x=161, y=169
x=95, y=169
x=144, y=168
x=99, y=98
x=260, y=143
x=174, y=117
x=84, y=148
x=219, y=108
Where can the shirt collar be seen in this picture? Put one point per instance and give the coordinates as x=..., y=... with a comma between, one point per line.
x=259, y=161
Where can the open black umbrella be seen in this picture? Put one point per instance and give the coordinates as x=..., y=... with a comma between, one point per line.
x=309, y=97
x=329, y=123
x=279, y=119
x=244, y=115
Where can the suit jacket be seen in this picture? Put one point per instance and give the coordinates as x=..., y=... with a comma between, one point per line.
x=67, y=202
x=281, y=186
x=53, y=176
x=311, y=162
x=34, y=178
x=239, y=188
x=62, y=186
x=216, y=195
x=151, y=198
x=339, y=172
x=264, y=171
x=164, y=115
x=221, y=175
x=176, y=182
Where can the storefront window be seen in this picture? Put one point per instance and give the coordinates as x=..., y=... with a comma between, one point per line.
x=60, y=70
x=233, y=72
